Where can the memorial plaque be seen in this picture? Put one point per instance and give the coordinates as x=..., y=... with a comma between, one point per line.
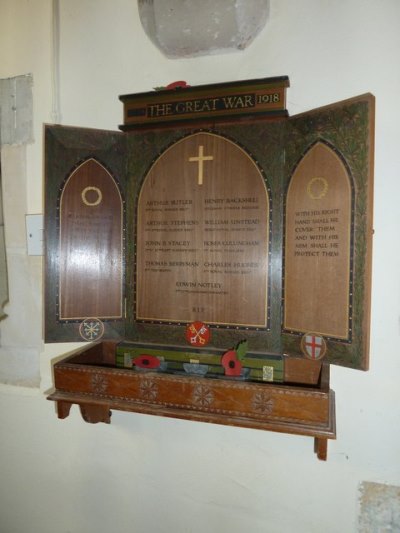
x=256, y=225
x=91, y=229
x=203, y=236
x=318, y=238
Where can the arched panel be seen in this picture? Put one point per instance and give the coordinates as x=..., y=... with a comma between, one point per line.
x=91, y=249
x=203, y=236
x=318, y=246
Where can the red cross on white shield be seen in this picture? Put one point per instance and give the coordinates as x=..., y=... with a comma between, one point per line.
x=313, y=346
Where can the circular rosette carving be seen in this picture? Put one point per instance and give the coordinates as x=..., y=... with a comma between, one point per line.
x=203, y=396
x=263, y=403
x=99, y=383
x=148, y=389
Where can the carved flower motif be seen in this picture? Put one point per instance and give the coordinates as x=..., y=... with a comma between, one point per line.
x=263, y=403
x=148, y=389
x=99, y=383
x=203, y=396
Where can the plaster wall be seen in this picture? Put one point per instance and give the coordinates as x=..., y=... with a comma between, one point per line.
x=148, y=474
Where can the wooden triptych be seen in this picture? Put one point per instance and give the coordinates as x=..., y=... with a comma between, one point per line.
x=259, y=226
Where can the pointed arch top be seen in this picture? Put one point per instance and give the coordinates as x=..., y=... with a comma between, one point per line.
x=318, y=265
x=91, y=244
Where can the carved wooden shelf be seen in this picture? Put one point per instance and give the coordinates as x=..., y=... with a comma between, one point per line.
x=89, y=379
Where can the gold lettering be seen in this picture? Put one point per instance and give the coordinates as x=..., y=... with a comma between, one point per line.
x=205, y=106
x=180, y=107
x=236, y=102
x=229, y=102
x=159, y=110
x=214, y=103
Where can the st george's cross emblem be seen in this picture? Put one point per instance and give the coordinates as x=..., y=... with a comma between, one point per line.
x=313, y=346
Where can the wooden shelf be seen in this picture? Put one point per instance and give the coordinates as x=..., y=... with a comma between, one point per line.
x=87, y=379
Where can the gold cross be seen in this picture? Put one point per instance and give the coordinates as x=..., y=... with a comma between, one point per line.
x=200, y=160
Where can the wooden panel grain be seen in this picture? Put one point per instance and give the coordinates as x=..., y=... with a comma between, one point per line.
x=229, y=398
x=285, y=408
x=66, y=148
x=91, y=249
x=203, y=236
x=347, y=128
x=318, y=238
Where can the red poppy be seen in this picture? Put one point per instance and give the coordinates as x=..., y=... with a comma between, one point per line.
x=177, y=85
x=231, y=363
x=146, y=361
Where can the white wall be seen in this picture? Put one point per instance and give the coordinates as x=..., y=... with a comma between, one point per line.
x=147, y=474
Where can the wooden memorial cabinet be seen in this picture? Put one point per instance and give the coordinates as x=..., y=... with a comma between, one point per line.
x=215, y=254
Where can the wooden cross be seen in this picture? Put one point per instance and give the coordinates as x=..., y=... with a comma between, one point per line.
x=200, y=160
